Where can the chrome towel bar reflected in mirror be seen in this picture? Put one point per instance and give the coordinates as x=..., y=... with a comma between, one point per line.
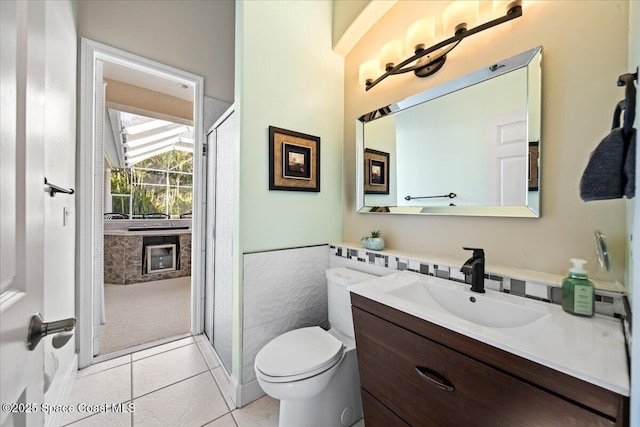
x=450, y=195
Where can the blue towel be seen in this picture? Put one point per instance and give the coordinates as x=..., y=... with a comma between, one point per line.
x=630, y=167
x=611, y=170
x=604, y=176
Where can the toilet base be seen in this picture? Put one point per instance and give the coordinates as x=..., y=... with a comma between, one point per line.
x=338, y=405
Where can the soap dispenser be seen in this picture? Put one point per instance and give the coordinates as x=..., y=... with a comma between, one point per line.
x=578, y=293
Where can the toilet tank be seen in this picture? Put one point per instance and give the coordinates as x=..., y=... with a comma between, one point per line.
x=339, y=301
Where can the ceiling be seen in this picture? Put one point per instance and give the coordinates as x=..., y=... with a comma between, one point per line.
x=147, y=81
x=137, y=138
x=152, y=137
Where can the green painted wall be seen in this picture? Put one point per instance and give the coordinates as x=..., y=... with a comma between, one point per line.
x=289, y=78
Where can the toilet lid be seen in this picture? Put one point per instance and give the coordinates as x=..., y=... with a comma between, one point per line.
x=301, y=351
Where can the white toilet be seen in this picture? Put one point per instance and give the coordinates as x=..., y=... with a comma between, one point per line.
x=313, y=372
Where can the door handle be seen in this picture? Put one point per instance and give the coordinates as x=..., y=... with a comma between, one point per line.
x=435, y=378
x=39, y=329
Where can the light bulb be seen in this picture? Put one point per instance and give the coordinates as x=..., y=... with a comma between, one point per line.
x=369, y=71
x=421, y=33
x=391, y=55
x=502, y=7
x=460, y=16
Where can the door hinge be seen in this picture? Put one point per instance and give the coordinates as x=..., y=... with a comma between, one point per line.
x=204, y=150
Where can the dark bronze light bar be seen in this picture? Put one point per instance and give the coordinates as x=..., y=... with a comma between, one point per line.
x=430, y=60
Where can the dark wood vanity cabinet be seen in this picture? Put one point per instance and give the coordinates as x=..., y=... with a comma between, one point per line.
x=415, y=373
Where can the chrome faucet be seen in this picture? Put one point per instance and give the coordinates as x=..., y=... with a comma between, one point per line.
x=474, y=267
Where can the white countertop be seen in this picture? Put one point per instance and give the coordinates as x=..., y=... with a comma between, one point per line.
x=591, y=349
x=149, y=227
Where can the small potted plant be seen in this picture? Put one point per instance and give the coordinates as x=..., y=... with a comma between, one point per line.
x=374, y=241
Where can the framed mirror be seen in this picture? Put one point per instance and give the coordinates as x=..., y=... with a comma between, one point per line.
x=468, y=147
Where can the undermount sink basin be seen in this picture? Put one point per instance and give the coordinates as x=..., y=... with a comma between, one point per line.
x=494, y=311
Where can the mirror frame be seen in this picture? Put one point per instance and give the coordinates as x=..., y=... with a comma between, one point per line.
x=531, y=57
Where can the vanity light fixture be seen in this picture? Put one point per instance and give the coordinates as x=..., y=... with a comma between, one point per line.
x=458, y=18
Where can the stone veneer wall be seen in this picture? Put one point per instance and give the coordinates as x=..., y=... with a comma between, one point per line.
x=123, y=260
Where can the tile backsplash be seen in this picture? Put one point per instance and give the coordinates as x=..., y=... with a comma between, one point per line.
x=541, y=287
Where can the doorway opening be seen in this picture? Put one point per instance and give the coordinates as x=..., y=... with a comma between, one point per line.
x=141, y=183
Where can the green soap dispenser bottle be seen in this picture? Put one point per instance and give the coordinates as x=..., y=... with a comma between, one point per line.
x=578, y=293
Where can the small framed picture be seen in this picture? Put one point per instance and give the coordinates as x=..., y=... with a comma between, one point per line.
x=297, y=161
x=376, y=175
x=294, y=161
x=376, y=172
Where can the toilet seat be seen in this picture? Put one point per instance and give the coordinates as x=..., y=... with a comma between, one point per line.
x=299, y=354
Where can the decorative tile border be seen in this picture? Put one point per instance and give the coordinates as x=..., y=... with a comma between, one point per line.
x=607, y=303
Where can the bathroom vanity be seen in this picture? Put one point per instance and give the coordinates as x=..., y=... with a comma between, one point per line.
x=423, y=366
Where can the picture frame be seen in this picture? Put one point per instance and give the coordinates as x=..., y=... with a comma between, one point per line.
x=294, y=160
x=376, y=172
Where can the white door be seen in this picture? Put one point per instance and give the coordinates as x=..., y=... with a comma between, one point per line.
x=210, y=202
x=219, y=246
x=99, y=316
x=506, y=151
x=22, y=68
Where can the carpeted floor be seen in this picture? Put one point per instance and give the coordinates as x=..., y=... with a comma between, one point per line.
x=145, y=312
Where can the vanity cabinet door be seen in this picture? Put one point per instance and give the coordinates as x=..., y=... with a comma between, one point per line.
x=428, y=384
x=378, y=415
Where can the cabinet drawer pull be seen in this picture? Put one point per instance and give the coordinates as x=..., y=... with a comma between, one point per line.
x=435, y=378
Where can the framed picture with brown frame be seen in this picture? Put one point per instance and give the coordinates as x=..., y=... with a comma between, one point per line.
x=294, y=160
x=376, y=172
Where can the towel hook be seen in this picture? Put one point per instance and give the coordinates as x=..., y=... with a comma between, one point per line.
x=628, y=104
x=627, y=78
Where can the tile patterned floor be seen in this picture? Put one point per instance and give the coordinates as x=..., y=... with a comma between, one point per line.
x=176, y=384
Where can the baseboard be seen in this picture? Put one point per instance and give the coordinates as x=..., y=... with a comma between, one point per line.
x=241, y=394
x=60, y=391
x=246, y=393
x=235, y=389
